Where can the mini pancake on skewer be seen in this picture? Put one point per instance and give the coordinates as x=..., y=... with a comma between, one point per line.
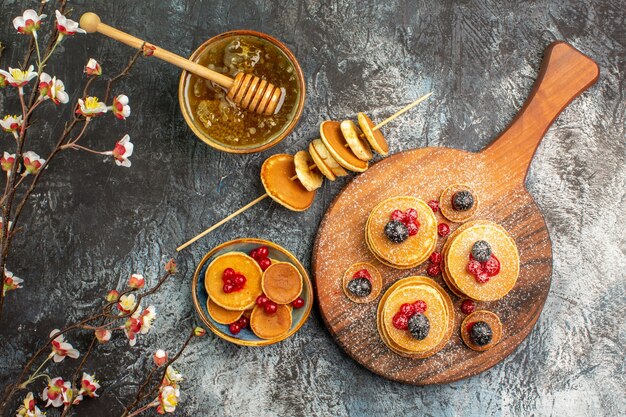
x=374, y=137
x=324, y=169
x=355, y=138
x=309, y=177
x=328, y=159
x=276, y=175
x=330, y=132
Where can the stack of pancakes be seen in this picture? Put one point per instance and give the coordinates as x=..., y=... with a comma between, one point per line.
x=439, y=311
x=413, y=251
x=456, y=252
x=293, y=180
x=281, y=283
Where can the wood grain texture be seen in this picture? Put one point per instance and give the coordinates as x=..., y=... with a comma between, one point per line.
x=497, y=175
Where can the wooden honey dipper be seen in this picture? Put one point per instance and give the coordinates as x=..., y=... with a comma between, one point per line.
x=246, y=90
x=279, y=172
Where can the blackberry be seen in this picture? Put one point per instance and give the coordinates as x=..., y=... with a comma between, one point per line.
x=462, y=200
x=419, y=326
x=396, y=231
x=481, y=333
x=361, y=287
x=481, y=251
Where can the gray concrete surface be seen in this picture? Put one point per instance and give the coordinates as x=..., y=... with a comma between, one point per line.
x=91, y=223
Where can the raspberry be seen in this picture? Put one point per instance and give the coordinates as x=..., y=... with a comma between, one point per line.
x=407, y=309
x=397, y=215
x=362, y=273
x=411, y=214
x=434, y=205
x=492, y=266
x=468, y=306
x=420, y=306
x=435, y=257
x=400, y=321
x=434, y=270
x=482, y=277
x=474, y=267
x=443, y=229
x=413, y=227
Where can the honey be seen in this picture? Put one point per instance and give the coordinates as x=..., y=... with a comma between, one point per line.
x=222, y=120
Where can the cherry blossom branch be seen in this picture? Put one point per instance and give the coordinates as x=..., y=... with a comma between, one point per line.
x=122, y=73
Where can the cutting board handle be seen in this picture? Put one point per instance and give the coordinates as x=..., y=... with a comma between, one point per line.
x=565, y=73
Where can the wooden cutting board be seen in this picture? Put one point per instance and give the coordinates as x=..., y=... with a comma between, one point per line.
x=497, y=173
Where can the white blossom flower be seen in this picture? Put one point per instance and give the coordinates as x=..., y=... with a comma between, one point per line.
x=56, y=392
x=126, y=303
x=65, y=26
x=29, y=22
x=122, y=151
x=11, y=123
x=90, y=107
x=88, y=386
x=168, y=399
x=7, y=161
x=53, y=89
x=10, y=282
x=120, y=107
x=18, y=78
x=61, y=349
x=28, y=407
x=93, y=67
x=172, y=376
x=32, y=162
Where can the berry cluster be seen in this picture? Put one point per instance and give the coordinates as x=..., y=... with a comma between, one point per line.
x=238, y=326
x=483, y=264
x=361, y=283
x=435, y=264
x=401, y=225
x=233, y=281
x=407, y=310
x=260, y=255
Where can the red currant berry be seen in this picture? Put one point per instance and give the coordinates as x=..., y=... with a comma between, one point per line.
x=243, y=322
x=434, y=270
x=420, y=306
x=240, y=280
x=228, y=288
x=474, y=267
x=434, y=205
x=400, y=321
x=411, y=214
x=468, y=306
x=262, y=252
x=362, y=273
x=298, y=303
x=435, y=257
x=413, y=227
x=443, y=229
x=482, y=277
x=397, y=215
x=492, y=266
x=407, y=309
x=270, y=307
x=234, y=328
x=265, y=263
x=261, y=300
x=229, y=281
x=228, y=273
x=254, y=254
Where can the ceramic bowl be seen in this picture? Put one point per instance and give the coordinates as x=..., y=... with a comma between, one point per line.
x=246, y=337
x=280, y=135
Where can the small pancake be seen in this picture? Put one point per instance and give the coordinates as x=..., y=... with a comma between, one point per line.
x=309, y=177
x=330, y=132
x=270, y=326
x=324, y=169
x=276, y=175
x=488, y=317
x=413, y=251
x=237, y=300
x=503, y=247
x=374, y=137
x=408, y=282
x=328, y=159
x=355, y=138
x=377, y=282
x=445, y=203
x=221, y=315
x=282, y=283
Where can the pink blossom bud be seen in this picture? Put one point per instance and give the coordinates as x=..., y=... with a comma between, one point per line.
x=93, y=68
x=148, y=50
x=112, y=296
x=171, y=266
x=7, y=161
x=136, y=281
x=103, y=335
x=160, y=357
x=199, y=331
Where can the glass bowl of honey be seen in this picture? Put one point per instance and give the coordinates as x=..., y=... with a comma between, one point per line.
x=216, y=119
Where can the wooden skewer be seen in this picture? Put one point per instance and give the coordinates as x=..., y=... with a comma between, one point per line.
x=246, y=90
x=264, y=196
